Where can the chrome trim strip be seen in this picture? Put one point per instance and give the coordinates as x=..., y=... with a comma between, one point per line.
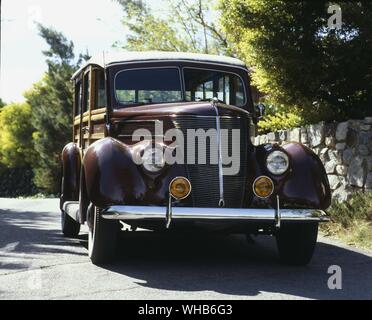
x=221, y=202
x=168, y=217
x=278, y=214
x=159, y=213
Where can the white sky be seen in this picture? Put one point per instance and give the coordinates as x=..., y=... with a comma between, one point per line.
x=90, y=24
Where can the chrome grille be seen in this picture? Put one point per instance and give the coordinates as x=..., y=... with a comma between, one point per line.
x=205, y=177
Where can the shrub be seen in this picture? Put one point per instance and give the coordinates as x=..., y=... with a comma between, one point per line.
x=358, y=207
x=16, y=149
x=15, y=182
x=351, y=220
x=279, y=121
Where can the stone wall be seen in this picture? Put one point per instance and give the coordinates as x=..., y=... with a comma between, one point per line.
x=344, y=148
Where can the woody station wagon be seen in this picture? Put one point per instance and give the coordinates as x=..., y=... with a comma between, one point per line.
x=116, y=167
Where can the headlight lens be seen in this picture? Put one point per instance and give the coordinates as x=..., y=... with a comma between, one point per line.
x=263, y=187
x=153, y=160
x=180, y=188
x=277, y=162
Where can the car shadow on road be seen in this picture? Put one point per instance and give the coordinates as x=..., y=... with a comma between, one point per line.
x=26, y=239
x=188, y=262
x=229, y=265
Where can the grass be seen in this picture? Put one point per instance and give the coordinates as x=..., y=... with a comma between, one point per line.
x=351, y=221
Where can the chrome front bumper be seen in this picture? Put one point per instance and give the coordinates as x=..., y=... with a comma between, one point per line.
x=186, y=213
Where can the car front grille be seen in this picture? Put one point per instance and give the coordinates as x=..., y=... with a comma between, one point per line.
x=204, y=178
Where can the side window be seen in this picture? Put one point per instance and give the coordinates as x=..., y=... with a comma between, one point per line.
x=86, y=101
x=100, y=96
x=78, y=96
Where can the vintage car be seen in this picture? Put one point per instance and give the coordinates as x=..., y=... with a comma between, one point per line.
x=132, y=161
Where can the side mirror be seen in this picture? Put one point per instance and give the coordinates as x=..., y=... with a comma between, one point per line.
x=260, y=111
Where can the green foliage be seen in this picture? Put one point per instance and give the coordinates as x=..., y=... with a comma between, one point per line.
x=351, y=220
x=2, y=103
x=15, y=182
x=279, y=121
x=279, y=117
x=51, y=102
x=358, y=207
x=16, y=149
x=298, y=61
x=190, y=26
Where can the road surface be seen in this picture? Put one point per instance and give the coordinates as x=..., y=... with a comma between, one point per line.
x=37, y=262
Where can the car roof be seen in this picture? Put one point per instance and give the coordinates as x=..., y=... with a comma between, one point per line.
x=106, y=59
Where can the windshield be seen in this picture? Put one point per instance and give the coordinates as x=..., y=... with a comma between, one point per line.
x=144, y=86
x=159, y=85
x=207, y=84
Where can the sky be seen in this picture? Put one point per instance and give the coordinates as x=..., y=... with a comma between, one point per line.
x=92, y=25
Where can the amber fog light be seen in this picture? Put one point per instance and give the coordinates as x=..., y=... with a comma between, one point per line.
x=180, y=188
x=263, y=187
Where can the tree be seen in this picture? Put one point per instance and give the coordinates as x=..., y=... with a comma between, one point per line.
x=298, y=61
x=51, y=102
x=2, y=103
x=190, y=26
x=16, y=148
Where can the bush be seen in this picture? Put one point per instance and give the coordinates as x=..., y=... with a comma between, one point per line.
x=16, y=182
x=358, y=207
x=16, y=149
x=279, y=121
x=351, y=220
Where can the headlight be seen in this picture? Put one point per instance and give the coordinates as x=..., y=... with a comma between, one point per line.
x=277, y=162
x=153, y=160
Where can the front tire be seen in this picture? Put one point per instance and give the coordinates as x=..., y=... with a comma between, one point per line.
x=296, y=243
x=70, y=228
x=102, y=238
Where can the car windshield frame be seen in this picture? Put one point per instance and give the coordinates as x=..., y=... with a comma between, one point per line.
x=181, y=72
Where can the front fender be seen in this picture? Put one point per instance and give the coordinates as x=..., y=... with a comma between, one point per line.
x=71, y=162
x=305, y=185
x=307, y=182
x=112, y=177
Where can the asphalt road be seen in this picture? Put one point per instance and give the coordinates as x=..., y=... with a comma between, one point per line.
x=37, y=262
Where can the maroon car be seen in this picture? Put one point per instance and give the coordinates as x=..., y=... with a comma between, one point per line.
x=163, y=141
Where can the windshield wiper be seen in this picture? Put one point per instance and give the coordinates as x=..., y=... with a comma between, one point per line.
x=214, y=99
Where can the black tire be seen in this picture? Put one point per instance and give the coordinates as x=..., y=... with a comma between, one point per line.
x=102, y=238
x=296, y=243
x=70, y=228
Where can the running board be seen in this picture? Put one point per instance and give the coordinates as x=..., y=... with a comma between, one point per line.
x=72, y=209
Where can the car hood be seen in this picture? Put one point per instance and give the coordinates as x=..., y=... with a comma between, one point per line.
x=180, y=108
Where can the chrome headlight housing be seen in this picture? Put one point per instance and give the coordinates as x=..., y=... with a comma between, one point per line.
x=277, y=162
x=153, y=160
